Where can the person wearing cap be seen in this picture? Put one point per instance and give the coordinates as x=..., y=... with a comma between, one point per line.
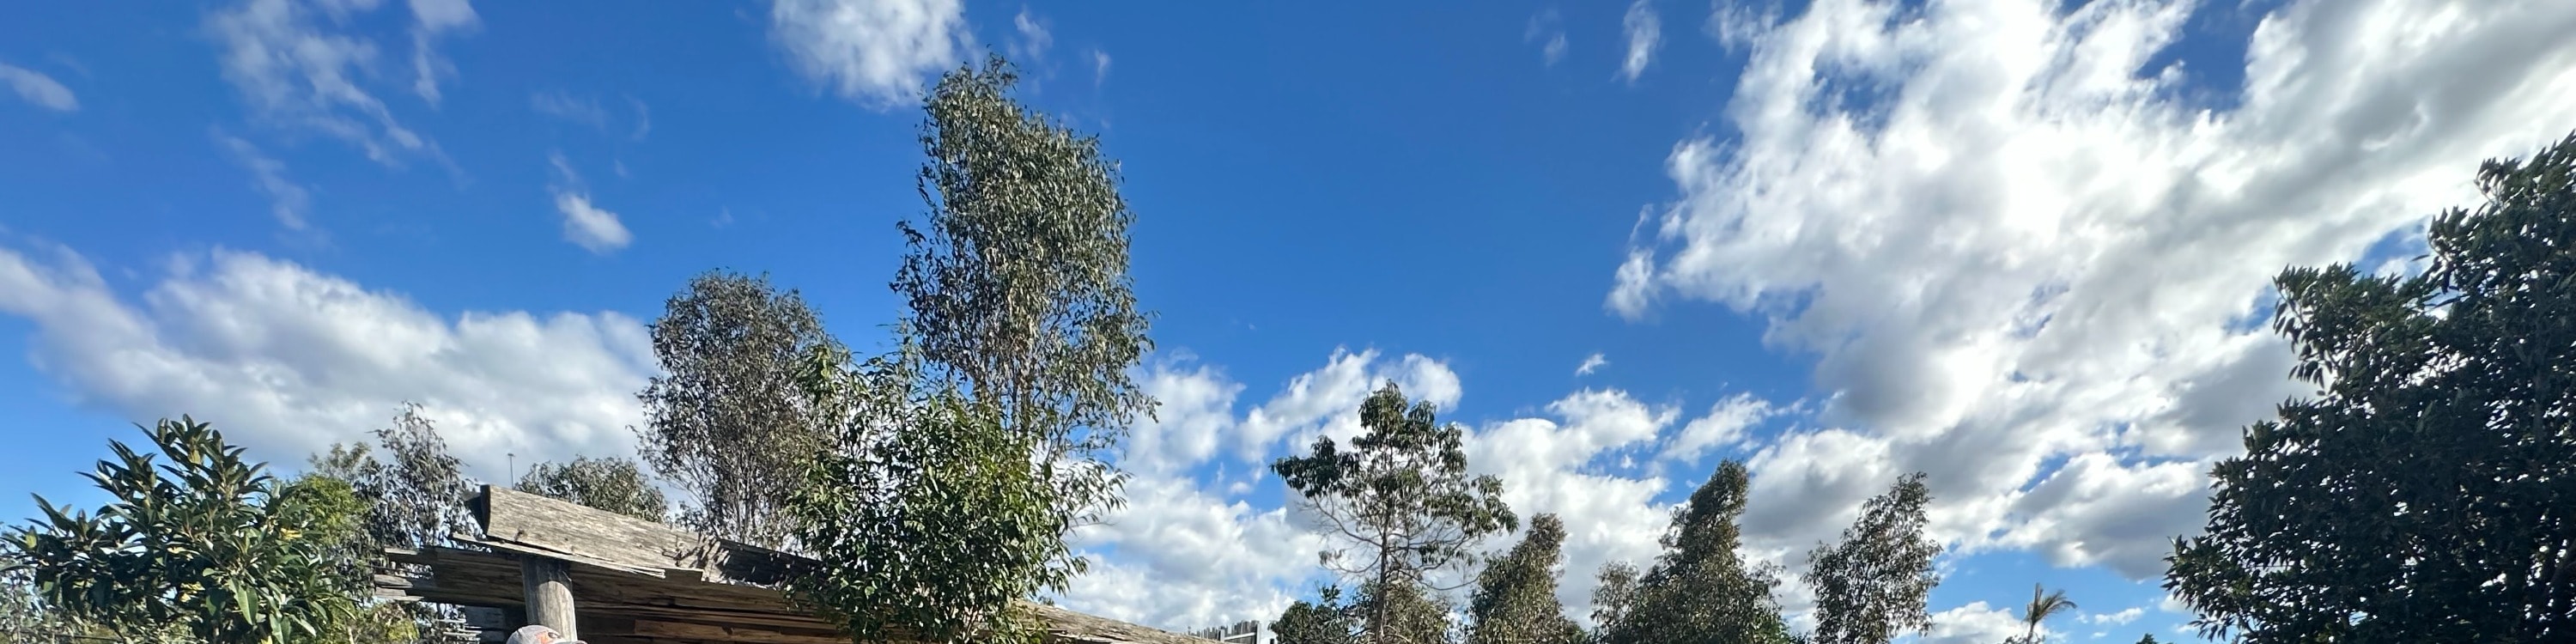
x=539, y=634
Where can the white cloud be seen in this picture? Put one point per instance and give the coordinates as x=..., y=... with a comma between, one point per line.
x=1196, y=411
x=2009, y=241
x=1645, y=31
x=38, y=89
x=286, y=360
x=1723, y=426
x=2123, y=616
x=1325, y=402
x=569, y=108
x=871, y=52
x=1034, y=39
x=1185, y=558
x=287, y=199
x=1974, y=623
x=1548, y=27
x=1590, y=364
x=584, y=224
x=1548, y=466
x=298, y=72
x=593, y=228
x=431, y=19
x=1099, y=67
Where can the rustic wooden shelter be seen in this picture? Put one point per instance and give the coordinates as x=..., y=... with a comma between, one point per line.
x=610, y=579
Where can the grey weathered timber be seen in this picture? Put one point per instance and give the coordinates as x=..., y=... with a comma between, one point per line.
x=646, y=583
x=548, y=583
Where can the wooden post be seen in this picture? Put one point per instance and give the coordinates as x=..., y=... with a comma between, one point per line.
x=549, y=587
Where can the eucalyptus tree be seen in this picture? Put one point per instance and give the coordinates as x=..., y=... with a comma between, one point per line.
x=1400, y=503
x=1876, y=583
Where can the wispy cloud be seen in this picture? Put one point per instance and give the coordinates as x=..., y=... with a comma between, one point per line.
x=1034, y=39
x=298, y=72
x=288, y=200
x=38, y=89
x=1547, y=28
x=430, y=20
x=585, y=224
x=1645, y=32
x=1590, y=364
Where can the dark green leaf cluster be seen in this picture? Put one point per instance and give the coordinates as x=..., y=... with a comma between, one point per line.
x=1515, y=597
x=729, y=422
x=1876, y=583
x=1324, y=621
x=204, y=547
x=2422, y=495
x=612, y=484
x=1700, y=591
x=1400, y=496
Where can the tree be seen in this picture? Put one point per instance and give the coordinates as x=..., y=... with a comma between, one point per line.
x=2149, y=638
x=1406, y=613
x=612, y=484
x=24, y=616
x=1515, y=598
x=1875, y=584
x=730, y=422
x=414, y=498
x=1699, y=591
x=959, y=462
x=1400, y=495
x=2043, y=604
x=206, y=547
x=1323, y=621
x=2421, y=494
x=1613, y=595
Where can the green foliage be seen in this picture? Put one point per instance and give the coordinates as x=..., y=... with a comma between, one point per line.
x=1404, y=613
x=2421, y=495
x=1401, y=496
x=729, y=423
x=1875, y=584
x=612, y=484
x=414, y=498
x=1017, y=284
x=2149, y=638
x=2044, y=603
x=1613, y=596
x=205, y=547
x=929, y=520
x=1700, y=591
x=1324, y=621
x=1515, y=598
x=26, y=619
x=956, y=465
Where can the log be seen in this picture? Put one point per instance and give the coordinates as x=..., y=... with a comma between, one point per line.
x=549, y=589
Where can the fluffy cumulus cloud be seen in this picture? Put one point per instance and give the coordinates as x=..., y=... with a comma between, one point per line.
x=1975, y=623
x=298, y=66
x=288, y=360
x=38, y=89
x=1193, y=548
x=874, y=52
x=2015, y=233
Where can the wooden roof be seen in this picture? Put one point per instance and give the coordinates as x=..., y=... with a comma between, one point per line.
x=639, y=582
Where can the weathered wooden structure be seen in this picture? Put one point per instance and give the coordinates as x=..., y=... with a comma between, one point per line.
x=610, y=579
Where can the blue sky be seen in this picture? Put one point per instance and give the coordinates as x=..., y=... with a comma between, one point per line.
x=2020, y=245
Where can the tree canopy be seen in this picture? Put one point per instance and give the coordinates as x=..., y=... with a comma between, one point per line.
x=205, y=547
x=1700, y=591
x=730, y=422
x=1515, y=597
x=1876, y=583
x=1400, y=497
x=956, y=465
x=2421, y=495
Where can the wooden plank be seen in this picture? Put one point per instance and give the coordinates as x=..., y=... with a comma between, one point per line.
x=539, y=522
x=684, y=630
